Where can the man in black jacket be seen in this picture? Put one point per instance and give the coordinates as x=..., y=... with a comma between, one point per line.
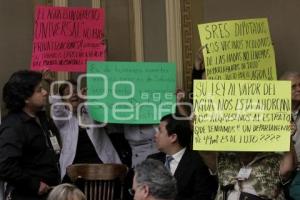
x=153, y=182
x=192, y=175
x=28, y=161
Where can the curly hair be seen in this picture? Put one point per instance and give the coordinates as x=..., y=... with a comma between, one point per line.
x=20, y=87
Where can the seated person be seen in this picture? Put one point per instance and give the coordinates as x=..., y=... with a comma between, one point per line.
x=66, y=192
x=139, y=138
x=152, y=181
x=1, y=189
x=294, y=77
x=264, y=172
x=80, y=142
x=173, y=141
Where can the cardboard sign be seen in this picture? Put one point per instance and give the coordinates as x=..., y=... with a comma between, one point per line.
x=131, y=92
x=238, y=50
x=65, y=38
x=235, y=115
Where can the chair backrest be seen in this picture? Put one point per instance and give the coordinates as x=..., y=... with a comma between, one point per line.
x=100, y=181
x=1, y=190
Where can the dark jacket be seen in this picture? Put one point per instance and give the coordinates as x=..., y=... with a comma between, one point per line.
x=26, y=154
x=194, y=181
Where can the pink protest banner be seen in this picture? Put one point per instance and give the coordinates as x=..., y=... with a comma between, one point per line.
x=65, y=38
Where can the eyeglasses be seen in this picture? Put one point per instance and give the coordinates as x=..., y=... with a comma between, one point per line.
x=131, y=191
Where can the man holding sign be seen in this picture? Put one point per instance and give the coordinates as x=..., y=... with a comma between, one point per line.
x=246, y=116
x=250, y=175
x=65, y=38
x=294, y=77
x=238, y=49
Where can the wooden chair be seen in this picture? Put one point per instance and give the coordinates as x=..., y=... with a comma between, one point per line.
x=100, y=181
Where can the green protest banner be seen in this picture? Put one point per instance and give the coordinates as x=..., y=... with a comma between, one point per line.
x=238, y=49
x=131, y=92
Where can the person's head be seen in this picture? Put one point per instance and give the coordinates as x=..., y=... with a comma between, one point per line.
x=68, y=92
x=66, y=192
x=199, y=62
x=153, y=181
x=294, y=77
x=174, y=131
x=24, y=90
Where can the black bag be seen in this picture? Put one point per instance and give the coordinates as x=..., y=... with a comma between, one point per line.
x=248, y=196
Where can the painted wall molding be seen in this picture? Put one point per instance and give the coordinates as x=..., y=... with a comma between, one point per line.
x=174, y=37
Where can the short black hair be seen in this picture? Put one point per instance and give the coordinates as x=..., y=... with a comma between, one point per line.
x=179, y=125
x=19, y=87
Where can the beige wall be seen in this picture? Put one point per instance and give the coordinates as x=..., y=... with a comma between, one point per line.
x=197, y=16
x=118, y=33
x=154, y=30
x=283, y=18
x=80, y=3
x=16, y=22
x=16, y=38
x=192, y=15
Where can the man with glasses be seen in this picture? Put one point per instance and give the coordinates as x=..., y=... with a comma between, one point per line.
x=152, y=181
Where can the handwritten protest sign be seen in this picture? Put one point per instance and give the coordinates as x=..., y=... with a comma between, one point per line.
x=65, y=38
x=238, y=49
x=129, y=92
x=243, y=115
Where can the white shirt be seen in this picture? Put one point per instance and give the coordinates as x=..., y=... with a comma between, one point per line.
x=177, y=157
x=69, y=130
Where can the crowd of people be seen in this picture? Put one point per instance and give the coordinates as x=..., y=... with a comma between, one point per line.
x=36, y=148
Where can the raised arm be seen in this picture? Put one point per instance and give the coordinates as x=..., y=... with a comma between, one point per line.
x=288, y=163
